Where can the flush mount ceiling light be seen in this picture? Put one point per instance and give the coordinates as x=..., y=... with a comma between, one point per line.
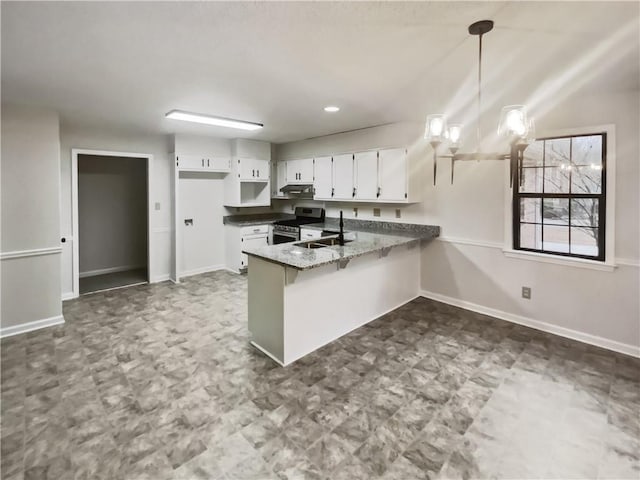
x=331, y=109
x=514, y=124
x=211, y=120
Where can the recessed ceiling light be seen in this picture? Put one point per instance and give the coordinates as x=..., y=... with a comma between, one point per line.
x=332, y=109
x=211, y=120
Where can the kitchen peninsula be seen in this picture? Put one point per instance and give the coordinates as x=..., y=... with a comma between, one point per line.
x=303, y=295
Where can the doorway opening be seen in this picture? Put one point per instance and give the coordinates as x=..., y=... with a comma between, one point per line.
x=111, y=221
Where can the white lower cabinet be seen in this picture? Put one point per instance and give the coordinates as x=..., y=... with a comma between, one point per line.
x=310, y=233
x=238, y=238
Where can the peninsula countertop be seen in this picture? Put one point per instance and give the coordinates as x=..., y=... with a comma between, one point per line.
x=363, y=242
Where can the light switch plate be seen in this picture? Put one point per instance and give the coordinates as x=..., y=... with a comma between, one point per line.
x=157, y=205
x=398, y=213
x=376, y=212
x=526, y=293
x=355, y=212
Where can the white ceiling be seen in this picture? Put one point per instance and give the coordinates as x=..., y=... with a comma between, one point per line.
x=124, y=65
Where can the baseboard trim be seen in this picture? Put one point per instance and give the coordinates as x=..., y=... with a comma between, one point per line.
x=104, y=271
x=160, y=278
x=272, y=357
x=68, y=296
x=613, y=345
x=198, y=271
x=31, y=326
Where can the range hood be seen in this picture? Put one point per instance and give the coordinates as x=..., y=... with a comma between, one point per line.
x=306, y=189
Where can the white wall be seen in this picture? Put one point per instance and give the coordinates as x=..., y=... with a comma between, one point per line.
x=468, y=265
x=30, y=219
x=160, y=192
x=112, y=213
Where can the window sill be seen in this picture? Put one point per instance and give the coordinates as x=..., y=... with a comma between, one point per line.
x=558, y=260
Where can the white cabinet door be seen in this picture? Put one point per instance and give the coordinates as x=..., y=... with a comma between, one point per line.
x=305, y=171
x=253, y=169
x=203, y=163
x=300, y=171
x=292, y=171
x=262, y=169
x=343, y=177
x=392, y=168
x=252, y=242
x=246, y=168
x=281, y=178
x=192, y=162
x=366, y=175
x=323, y=183
x=218, y=164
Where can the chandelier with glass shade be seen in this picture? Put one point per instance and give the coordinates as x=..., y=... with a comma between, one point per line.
x=514, y=125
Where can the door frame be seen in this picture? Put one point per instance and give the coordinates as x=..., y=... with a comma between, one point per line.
x=75, y=244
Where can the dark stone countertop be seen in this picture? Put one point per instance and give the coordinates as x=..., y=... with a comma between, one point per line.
x=255, y=219
x=366, y=239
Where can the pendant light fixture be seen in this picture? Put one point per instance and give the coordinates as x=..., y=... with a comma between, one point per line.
x=514, y=124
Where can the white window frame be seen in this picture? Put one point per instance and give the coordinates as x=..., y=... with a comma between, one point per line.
x=610, y=263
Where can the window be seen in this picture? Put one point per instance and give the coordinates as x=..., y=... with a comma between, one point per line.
x=559, y=200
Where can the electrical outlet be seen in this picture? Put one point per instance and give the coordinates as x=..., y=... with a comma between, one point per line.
x=526, y=293
x=157, y=205
x=355, y=212
x=376, y=212
x=398, y=213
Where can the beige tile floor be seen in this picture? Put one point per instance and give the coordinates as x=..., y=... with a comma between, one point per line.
x=159, y=381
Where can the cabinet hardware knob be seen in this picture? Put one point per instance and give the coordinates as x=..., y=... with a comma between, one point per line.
x=63, y=240
x=354, y=192
x=253, y=173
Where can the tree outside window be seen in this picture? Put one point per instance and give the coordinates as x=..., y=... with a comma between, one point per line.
x=559, y=200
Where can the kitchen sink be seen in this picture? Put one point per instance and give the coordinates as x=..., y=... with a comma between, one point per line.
x=321, y=243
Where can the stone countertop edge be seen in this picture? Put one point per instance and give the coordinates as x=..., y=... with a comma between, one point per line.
x=255, y=219
x=307, y=259
x=389, y=228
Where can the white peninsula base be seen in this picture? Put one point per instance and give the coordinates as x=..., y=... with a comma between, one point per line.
x=294, y=312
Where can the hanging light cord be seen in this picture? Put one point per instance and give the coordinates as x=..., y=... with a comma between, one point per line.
x=479, y=134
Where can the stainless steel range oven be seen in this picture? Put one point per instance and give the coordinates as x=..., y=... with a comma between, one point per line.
x=284, y=234
x=285, y=231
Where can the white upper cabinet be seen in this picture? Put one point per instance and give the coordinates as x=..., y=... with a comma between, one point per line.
x=248, y=184
x=393, y=175
x=343, y=188
x=253, y=170
x=300, y=171
x=366, y=175
x=281, y=178
x=203, y=163
x=323, y=182
x=388, y=175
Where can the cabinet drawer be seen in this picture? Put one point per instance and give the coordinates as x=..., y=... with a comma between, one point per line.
x=309, y=233
x=254, y=229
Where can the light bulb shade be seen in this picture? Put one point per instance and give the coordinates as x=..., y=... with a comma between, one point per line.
x=454, y=134
x=436, y=128
x=513, y=121
x=530, y=136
